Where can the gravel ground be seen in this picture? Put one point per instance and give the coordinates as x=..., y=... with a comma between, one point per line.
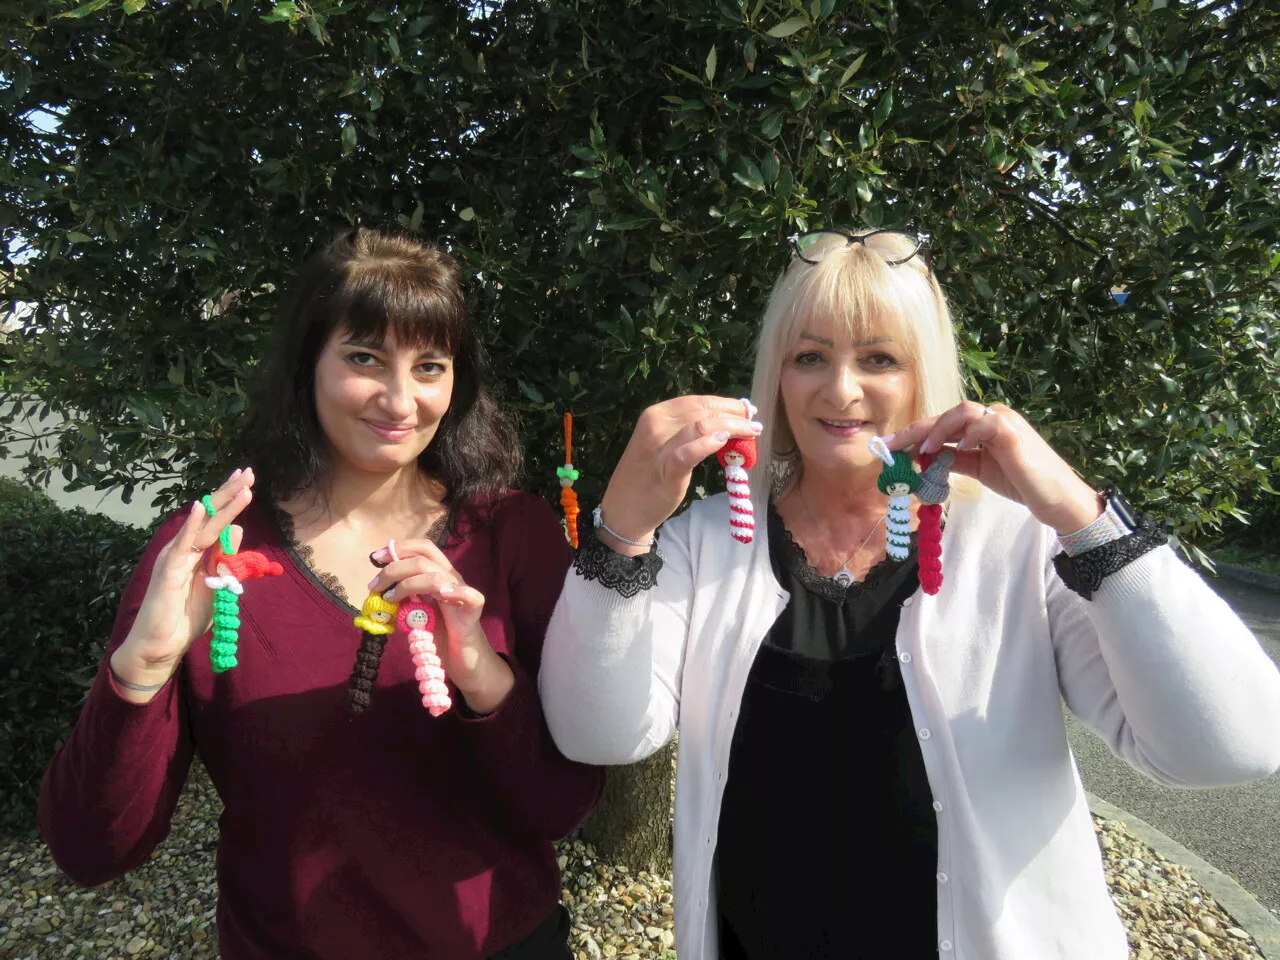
x=165, y=908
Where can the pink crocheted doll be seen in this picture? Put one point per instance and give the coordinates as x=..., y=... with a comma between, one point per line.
x=737, y=457
x=418, y=619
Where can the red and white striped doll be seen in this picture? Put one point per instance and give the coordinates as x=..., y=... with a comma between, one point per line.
x=737, y=457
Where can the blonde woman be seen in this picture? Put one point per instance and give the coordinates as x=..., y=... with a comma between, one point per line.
x=862, y=761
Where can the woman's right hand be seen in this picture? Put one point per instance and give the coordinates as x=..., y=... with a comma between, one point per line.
x=651, y=479
x=178, y=605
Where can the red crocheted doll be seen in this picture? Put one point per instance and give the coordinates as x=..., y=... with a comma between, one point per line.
x=737, y=457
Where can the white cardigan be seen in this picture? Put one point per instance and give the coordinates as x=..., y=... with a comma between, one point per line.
x=1156, y=664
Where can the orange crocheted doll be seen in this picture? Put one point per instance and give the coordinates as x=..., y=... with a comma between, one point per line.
x=568, y=496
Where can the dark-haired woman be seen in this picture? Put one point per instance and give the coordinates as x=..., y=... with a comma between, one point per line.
x=383, y=834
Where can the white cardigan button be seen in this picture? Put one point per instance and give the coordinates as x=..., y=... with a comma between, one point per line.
x=904, y=657
x=944, y=946
x=924, y=733
x=942, y=878
x=907, y=602
x=937, y=806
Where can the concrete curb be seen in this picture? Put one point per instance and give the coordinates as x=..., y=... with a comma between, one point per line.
x=1251, y=916
x=1256, y=578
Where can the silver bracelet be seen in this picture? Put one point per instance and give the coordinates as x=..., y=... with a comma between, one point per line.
x=598, y=520
x=136, y=687
x=1106, y=528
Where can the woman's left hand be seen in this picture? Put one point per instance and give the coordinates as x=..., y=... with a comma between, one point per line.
x=995, y=445
x=482, y=677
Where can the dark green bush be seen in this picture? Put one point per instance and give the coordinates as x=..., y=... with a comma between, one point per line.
x=61, y=576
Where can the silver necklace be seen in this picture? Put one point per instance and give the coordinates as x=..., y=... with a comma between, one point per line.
x=843, y=576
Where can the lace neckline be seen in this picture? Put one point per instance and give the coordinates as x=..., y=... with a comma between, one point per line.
x=795, y=561
x=304, y=556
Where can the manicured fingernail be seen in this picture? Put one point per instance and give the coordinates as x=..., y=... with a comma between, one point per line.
x=389, y=594
x=382, y=553
x=234, y=474
x=371, y=583
x=928, y=446
x=888, y=438
x=197, y=507
x=755, y=426
x=373, y=558
x=446, y=589
x=721, y=437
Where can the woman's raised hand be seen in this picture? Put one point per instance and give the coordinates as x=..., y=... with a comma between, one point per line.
x=670, y=439
x=177, y=606
x=997, y=446
x=421, y=569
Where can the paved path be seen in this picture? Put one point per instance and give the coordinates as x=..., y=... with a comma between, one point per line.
x=1237, y=829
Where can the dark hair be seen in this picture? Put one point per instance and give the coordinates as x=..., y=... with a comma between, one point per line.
x=370, y=282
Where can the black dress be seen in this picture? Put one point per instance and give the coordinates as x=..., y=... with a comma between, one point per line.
x=827, y=826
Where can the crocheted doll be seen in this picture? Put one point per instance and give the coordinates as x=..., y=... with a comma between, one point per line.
x=227, y=571
x=417, y=619
x=377, y=621
x=568, y=496
x=737, y=457
x=933, y=491
x=899, y=480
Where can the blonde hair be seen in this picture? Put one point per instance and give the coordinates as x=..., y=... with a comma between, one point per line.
x=853, y=288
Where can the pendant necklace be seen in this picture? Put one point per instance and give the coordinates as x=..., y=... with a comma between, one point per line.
x=843, y=576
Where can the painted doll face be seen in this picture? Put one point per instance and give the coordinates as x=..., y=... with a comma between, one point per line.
x=897, y=489
x=734, y=459
x=416, y=619
x=380, y=616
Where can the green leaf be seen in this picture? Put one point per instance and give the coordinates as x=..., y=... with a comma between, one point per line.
x=133, y=6
x=654, y=263
x=771, y=124
x=851, y=69
x=883, y=108
x=348, y=138
x=748, y=174
x=787, y=27
x=628, y=223
x=711, y=66
x=530, y=391
x=84, y=9
x=467, y=214
x=75, y=236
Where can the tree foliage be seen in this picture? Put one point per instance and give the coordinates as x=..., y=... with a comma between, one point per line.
x=619, y=180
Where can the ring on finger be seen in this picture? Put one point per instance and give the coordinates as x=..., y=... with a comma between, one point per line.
x=988, y=412
x=196, y=548
x=750, y=408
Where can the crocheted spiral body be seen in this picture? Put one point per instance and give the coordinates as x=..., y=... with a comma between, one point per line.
x=226, y=631
x=929, y=547
x=429, y=673
x=569, y=502
x=742, y=522
x=368, y=657
x=898, y=528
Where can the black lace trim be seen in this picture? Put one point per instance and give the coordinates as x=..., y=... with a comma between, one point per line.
x=796, y=562
x=303, y=553
x=1085, y=572
x=629, y=576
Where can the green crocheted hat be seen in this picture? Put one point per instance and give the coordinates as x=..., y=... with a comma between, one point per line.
x=901, y=472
